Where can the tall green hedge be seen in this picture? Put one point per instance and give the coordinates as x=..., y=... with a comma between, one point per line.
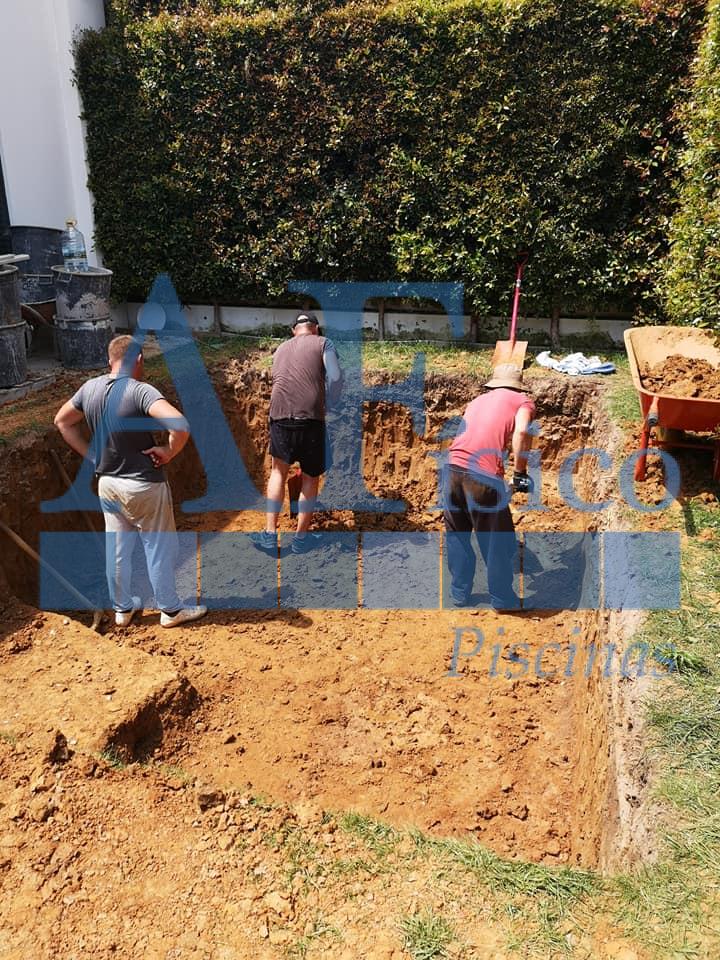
x=692, y=278
x=424, y=140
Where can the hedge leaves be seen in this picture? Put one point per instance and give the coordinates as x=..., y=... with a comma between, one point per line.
x=423, y=140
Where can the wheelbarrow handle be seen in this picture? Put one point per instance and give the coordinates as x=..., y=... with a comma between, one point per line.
x=653, y=417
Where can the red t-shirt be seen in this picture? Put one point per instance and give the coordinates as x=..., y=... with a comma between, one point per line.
x=489, y=425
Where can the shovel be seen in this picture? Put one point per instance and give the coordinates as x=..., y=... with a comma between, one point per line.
x=513, y=351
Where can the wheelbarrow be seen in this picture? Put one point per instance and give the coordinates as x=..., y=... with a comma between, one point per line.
x=667, y=419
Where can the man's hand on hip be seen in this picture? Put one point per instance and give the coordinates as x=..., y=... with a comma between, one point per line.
x=159, y=455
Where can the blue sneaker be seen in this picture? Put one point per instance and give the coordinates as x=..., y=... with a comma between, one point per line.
x=267, y=542
x=508, y=604
x=460, y=598
x=304, y=542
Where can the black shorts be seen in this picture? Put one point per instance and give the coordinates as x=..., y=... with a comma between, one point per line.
x=301, y=441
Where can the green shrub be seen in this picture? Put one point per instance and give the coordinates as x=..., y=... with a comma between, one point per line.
x=692, y=278
x=424, y=140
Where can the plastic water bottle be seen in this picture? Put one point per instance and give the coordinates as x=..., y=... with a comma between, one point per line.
x=73, y=247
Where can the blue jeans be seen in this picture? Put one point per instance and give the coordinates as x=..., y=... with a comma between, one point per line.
x=463, y=494
x=139, y=509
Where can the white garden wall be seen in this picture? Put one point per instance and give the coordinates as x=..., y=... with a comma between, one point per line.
x=42, y=142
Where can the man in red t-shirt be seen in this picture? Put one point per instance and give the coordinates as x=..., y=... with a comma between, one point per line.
x=476, y=497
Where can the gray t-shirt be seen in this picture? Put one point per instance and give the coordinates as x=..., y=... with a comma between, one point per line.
x=301, y=366
x=112, y=398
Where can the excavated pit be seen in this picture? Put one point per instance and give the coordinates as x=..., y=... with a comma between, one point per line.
x=353, y=709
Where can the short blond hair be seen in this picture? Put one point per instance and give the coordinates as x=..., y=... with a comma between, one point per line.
x=118, y=347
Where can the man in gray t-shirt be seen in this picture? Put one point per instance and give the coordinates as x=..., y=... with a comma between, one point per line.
x=108, y=398
x=306, y=376
x=134, y=493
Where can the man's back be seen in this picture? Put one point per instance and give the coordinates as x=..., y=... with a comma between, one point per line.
x=111, y=398
x=298, y=388
x=489, y=423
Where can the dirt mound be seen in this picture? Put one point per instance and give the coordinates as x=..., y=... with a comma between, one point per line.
x=681, y=376
x=106, y=698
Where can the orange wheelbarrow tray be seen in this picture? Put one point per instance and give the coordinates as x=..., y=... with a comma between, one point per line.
x=653, y=345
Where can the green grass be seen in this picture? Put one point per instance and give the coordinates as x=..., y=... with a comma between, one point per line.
x=113, y=758
x=563, y=884
x=320, y=930
x=32, y=426
x=660, y=908
x=534, y=902
x=622, y=398
x=377, y=836
x=426, y=935
x=537, y=901
x=175, y=772
x=9, y=737
x=440, y=358
x=302, y=857
x=666, y=907
x=358, y=867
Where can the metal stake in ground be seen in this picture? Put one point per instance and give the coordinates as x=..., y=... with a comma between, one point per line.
x=83, y=601
x=85, y=515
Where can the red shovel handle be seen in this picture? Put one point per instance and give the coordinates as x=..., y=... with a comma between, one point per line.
x=521, y=264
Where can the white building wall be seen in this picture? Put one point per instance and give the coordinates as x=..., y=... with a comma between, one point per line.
x=42, y=142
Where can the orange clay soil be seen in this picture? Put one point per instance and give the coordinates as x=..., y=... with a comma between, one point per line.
x=315, y=709
x=680, y=376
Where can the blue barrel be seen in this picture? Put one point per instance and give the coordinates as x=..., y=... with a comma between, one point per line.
x=83, y=344
x=82, y=294
x=44, y=247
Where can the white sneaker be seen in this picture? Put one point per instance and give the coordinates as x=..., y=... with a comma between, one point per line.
x=184, y=615
x=123, y=618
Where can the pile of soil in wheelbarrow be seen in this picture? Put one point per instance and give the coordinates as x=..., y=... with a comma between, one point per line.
x=681, y=376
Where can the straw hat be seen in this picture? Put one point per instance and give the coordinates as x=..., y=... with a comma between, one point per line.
x=506, y=375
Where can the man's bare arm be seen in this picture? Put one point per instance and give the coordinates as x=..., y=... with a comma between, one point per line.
x=68, y=420
x=165, y=413
x=521, y=438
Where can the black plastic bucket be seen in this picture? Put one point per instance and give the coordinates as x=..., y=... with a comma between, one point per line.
x=9, y=296
x=13, y=355
x=44, y=247
x=83, y=344
x=82, y=294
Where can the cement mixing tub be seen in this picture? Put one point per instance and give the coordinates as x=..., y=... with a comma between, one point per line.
x=9, y=295
x=13, y=332
x=43, y=246
x=82, y=295
x=651, y=346
x=83, y=344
